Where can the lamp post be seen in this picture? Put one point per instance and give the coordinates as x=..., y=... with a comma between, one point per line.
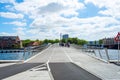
x=60, y=37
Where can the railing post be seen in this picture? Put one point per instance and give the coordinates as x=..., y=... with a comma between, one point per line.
x=94, y=52
x=108, y=58
x=24, y=54
x=100, y=53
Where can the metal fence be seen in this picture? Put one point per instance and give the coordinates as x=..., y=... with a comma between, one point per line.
x=17, y=55
x=108, y=55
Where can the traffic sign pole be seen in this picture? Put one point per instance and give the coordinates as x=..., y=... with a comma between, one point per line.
x=118, y=52
x=117, y=39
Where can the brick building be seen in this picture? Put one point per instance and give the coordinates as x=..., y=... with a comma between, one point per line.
x=34, y=43
x=110, y=43
x=10, y=42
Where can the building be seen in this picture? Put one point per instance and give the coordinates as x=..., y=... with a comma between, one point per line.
x=10, y=42
x=36, y=43
x=65, y=36
x=93, y=44
x=110, y=43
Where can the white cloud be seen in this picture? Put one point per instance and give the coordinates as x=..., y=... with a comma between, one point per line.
x=71, y=7
x=20, y=31
x=5, y=34
x=48, y=22
x=112, y=7
x=11, y=15
x=16, y=23
x=31, y=7
x=51, y=8
x=79, y=27
x=7, y=1
x=36, y=8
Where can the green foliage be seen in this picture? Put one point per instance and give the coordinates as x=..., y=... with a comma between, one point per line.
x=95, y=42
x=16, y=46
x=37, y=40
x=75, y=41
x=100, y=41
x=26, y=42
x=81, y=42
x=56, y=40
x=63, y=40
x=46, y=41
x=51, y=41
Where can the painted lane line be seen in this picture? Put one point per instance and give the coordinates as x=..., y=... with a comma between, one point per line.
x=68, y=56
x=49, y=70
x=47, y=63
x=50, y=59
x=48, y=66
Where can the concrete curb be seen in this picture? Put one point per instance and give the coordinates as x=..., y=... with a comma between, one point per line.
x=37, y=54
x=11, y=61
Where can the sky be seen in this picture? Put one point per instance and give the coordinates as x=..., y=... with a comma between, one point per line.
x=47, y=19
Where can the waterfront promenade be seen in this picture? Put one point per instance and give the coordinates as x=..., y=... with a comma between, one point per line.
x=60, y=63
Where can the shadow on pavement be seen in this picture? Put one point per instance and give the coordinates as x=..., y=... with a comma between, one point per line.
x=70, y=71
x=16, y=68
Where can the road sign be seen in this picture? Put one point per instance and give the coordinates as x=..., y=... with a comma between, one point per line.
x=117, y=38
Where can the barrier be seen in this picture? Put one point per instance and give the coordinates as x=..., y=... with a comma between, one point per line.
x=20, y=55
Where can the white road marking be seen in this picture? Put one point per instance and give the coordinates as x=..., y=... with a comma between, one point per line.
x=50, y=59
x=47, y=63
x=68, y=56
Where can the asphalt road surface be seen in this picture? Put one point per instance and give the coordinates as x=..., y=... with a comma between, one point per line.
x=21, y=67
x=63, y=69
x=69, y=71
x=59, y=62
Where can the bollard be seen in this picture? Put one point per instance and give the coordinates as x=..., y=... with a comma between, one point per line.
x=108, y=58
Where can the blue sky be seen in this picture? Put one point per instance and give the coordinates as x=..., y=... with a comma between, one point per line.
x=41, y=19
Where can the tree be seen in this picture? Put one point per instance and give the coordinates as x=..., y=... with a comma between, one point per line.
x=51, y=41
x=46, y=41
x=26, y=42
x=95, y=42
x=82, y=42
x=100, y=41
x=75, y=41
x=37, y=40
x=63, y=40
x=56, y=41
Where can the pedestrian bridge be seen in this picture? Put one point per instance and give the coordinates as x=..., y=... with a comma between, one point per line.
x=61, y=63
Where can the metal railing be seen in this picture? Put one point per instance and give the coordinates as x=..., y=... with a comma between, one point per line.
x=23, y=54
x=108, y=55
x=105, y=54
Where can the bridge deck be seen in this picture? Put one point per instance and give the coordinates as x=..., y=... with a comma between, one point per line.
x=61, y=63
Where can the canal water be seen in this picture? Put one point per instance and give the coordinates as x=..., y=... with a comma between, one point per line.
x=16, y=55
x=22, y=55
